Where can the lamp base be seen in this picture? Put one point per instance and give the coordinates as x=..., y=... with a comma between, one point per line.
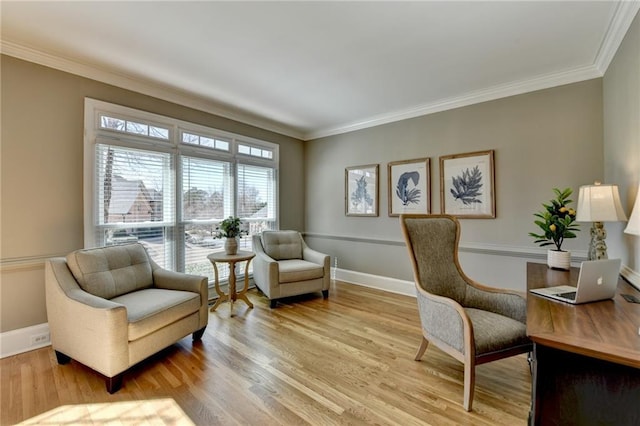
x=597, y=245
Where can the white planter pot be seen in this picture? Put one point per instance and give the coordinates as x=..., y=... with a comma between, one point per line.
x=559, y=259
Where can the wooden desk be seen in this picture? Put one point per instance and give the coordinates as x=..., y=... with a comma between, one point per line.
x=232, y=296
x=586, y=358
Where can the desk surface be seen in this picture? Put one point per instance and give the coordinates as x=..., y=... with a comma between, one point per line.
x=605, y=330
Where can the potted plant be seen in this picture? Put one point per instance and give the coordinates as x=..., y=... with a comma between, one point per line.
x=229, y=228
x=557, y=224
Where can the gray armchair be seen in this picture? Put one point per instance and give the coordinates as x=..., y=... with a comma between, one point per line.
x=472, y=323
x=285, y=266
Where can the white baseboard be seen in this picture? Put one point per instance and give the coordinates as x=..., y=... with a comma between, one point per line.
x=24, y=339
x=392, y=285
x=21, y=340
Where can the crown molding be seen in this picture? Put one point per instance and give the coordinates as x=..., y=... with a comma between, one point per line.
x=620, y=23
x=622, y=19
x=145, y=87
x=484, y=95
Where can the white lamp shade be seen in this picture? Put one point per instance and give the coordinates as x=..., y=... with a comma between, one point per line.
x=633, y=227
x=599, y=203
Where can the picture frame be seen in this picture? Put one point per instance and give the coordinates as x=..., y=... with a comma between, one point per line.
x=467, y=187
x=409, y=186
x=361, y=190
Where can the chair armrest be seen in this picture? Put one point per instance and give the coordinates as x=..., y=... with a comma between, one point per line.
x=171, y=280
x=443, y=318
x=85, y=327
x=265, y=273
x=507, y=303
x=311, y=255
x=314, y=256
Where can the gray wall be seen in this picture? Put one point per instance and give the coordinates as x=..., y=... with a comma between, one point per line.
x=545, y=139
x=622, y=140
x=41, y=174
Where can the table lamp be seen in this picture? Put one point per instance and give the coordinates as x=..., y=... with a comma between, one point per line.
x=599, y=203
x=633, y=227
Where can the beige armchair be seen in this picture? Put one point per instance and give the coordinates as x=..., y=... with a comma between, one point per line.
x=285, y=266
x=472, y=323
x=110, y=308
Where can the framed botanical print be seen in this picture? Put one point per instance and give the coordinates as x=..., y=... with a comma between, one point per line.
x=467, y=185
x=409, y=186
x=361, y=190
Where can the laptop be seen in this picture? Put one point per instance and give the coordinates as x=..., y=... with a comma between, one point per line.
x=598, y=280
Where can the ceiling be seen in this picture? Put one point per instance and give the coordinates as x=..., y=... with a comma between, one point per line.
x=312, y=69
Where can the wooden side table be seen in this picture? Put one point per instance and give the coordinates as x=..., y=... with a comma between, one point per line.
x=231, y=259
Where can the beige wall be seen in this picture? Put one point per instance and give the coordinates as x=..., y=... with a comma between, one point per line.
x=544, y=139
x=41, y=174
x=622, y=140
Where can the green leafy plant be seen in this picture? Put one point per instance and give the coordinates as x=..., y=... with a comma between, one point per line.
x=229, y=228
x=556, y=220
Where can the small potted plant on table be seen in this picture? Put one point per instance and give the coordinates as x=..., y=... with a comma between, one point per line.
x=229, y=228
x=557, y=223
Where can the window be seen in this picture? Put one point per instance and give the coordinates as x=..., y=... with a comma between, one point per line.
x=133, y=127
x=206, y=141
x=168, y=184
x=255, y=151
x=134, y=190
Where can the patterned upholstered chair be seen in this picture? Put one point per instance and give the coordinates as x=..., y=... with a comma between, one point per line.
x=472, y=323
x=109, y=308
x=285, y=266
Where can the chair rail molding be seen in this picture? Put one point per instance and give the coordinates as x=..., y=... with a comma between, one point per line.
x=468, y=247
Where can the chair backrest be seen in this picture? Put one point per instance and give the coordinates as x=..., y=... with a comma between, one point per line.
x=432, y=241
x=111, y=271
x=282, y=245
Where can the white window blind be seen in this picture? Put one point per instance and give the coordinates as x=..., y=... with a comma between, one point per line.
x=135, y=198
x=168, y=183
x=207, y=198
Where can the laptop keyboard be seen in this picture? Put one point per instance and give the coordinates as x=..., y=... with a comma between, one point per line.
x=571, y=295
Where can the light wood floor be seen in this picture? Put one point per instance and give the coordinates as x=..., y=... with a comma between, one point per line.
x=344, y=360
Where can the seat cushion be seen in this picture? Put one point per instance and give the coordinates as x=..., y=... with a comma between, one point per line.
x=298, y=270
x=494, y=332
x=108, y=272
x=151, y=309
x=282, y=245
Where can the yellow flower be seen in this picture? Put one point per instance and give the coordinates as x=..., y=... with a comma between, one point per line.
x=572, y=212
x=563, y=209
x=552, y=227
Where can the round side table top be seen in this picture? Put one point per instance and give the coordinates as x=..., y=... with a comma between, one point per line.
x=224, y=257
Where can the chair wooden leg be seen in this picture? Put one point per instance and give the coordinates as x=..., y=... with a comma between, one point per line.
x=114, y=383
x=325, y=293
x=469, y=384
x=273, y=303
x=423, y=347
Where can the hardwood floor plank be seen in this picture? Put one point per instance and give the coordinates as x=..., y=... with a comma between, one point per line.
x=343, y=360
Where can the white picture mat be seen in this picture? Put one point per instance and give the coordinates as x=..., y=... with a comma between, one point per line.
x=396, y=171
x=457, y=167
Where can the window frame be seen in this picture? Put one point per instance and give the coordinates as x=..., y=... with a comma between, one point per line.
x=95, y=134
